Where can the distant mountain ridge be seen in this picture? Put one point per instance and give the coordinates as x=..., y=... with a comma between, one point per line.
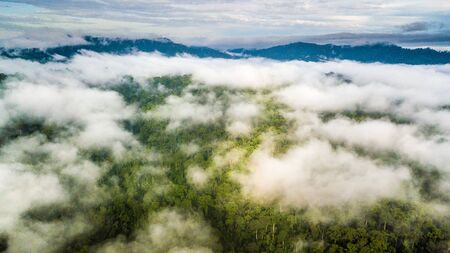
x=112, y=46
x=381, y=52
x=384, y=53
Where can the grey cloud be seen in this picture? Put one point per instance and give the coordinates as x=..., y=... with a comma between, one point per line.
x=416, y=26
x=422, y=26
x=233, y=19
x=404, y=39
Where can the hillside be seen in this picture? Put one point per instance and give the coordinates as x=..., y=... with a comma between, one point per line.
x=383, y=53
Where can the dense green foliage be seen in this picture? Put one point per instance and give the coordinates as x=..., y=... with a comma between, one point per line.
x=25, y=126
x=360, y=115
x=136, y=187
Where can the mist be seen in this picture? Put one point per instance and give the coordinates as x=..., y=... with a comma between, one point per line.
x=147, y=153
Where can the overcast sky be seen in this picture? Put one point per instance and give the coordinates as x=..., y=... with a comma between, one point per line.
x=223, y=22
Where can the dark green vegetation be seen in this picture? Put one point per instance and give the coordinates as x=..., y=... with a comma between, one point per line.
x=23, y=126
x=136, y=187
x=361, y=115
x=2, y=77
x=3, y=243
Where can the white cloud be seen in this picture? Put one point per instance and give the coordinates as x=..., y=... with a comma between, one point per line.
x=190, y=148
x=186, y=110
x=41, y=38
x=20, y=189
x=316, y=175
x=385, y=136
x=197, y=176
x=312, y=173
x=230, y=19
x=169, y=231
x=97, y=112
x=241, y=115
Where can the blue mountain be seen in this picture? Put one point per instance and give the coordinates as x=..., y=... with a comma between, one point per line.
x=381, y=52
x=111, y=46
x=384, y=53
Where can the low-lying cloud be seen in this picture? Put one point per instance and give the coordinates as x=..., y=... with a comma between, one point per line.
x=299, y=134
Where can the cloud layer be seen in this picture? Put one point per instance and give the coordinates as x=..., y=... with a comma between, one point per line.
x=303, y=135
x=191, y=21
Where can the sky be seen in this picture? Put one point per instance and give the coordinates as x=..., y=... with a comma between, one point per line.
x=222, y=23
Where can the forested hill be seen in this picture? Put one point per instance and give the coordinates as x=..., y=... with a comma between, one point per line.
x=112, y=46
x=384, y=53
